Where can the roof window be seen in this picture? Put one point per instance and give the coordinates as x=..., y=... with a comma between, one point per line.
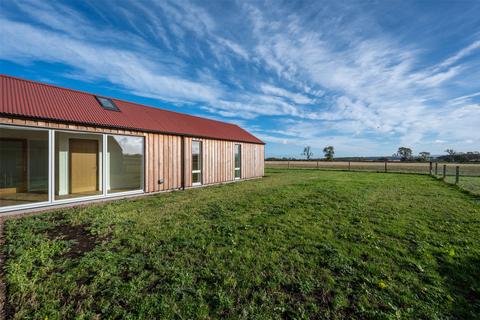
x=107, y=104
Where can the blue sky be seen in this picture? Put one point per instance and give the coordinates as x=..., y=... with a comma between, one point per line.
x=363, y=76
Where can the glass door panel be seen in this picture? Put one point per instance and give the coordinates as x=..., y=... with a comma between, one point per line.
x=23, y=166
x=78, y=165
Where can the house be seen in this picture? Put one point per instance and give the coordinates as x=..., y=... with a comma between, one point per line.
x=60, y=146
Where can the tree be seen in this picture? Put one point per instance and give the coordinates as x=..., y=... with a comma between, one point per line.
x=469, y=156
x=451, y=153
x=424, y=155
x=329, y=152
x=404, y=153
x=307, y=152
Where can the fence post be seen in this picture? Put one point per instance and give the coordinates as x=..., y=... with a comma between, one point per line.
x=386, y=165
x=436, y=168
x=317, y=164
x=457, y=174
x=348, y=165
x=444, y=171
x=288, y=164
x=431, y=167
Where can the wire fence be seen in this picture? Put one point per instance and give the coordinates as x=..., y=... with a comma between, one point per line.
x=465, y=175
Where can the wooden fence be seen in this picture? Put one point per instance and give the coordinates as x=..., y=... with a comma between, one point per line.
x=452, y=171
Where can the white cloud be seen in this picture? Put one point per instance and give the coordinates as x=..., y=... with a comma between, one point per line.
x=433, y=80
x=377, y=81
x=129, y=69
x=460, y=54
x=280, y=92
x=234, y=47
x=336, y=77
x=463, y=99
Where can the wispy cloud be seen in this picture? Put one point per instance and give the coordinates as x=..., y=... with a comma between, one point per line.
x=294, y=74
x=379, y=85
x=465, y=98
x=460, y=55
x=94, y=61
x=280, y=92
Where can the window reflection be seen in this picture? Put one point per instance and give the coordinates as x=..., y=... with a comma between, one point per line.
x=196, y=162
x=125, y=163
x=23, y=166
x=78, y=165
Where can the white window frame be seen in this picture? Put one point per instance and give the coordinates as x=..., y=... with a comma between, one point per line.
x=239, y=169
x=100, y=173
x=50, y=180
x=200, y=158
x=51, y=171
x=107, y=165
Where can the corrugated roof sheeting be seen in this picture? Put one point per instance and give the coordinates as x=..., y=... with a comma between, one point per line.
x=31, y=99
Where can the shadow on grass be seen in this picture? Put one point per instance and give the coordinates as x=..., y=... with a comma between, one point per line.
x=462, y=277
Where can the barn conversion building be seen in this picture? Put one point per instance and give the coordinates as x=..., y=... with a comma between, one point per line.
x=60, y=146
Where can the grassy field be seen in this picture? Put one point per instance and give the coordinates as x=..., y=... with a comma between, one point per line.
x=298, y=244
x=471, y=184
x=469, y=172
x=467, y=169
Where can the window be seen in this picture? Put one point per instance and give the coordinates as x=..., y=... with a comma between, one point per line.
x=238, y=161
x=40, y=167
x=107, y=104
x=196, y=162
x=24, y=166
x=78, y=165
x=124, y=163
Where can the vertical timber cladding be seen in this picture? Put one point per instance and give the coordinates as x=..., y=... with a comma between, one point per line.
x=163, y=155
x=163, y=162
x=252, y=160
x=218, y=160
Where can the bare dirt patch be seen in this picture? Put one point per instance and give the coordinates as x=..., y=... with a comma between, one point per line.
x=83, y=240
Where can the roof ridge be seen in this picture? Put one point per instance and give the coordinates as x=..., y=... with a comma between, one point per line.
x=109, y=97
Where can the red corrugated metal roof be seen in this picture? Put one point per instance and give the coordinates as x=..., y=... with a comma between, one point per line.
x=37, y=100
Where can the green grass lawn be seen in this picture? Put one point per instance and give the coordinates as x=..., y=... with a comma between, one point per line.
x=296, y=244
x=471, y=184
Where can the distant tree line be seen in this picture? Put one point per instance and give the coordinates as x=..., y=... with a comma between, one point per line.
x=406, y=154
x=470, y=156
x=328, y=152
x=402, y=154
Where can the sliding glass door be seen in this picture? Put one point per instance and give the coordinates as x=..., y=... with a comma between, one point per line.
x=46, y=166
x=78, y=164
x=23, y=166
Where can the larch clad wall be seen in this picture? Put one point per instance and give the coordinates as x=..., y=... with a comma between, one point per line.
x=163, y=156
x=252, y=160
x=163, y=162
x=218, y=160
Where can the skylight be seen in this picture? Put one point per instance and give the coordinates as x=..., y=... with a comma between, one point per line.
x=107, y=104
